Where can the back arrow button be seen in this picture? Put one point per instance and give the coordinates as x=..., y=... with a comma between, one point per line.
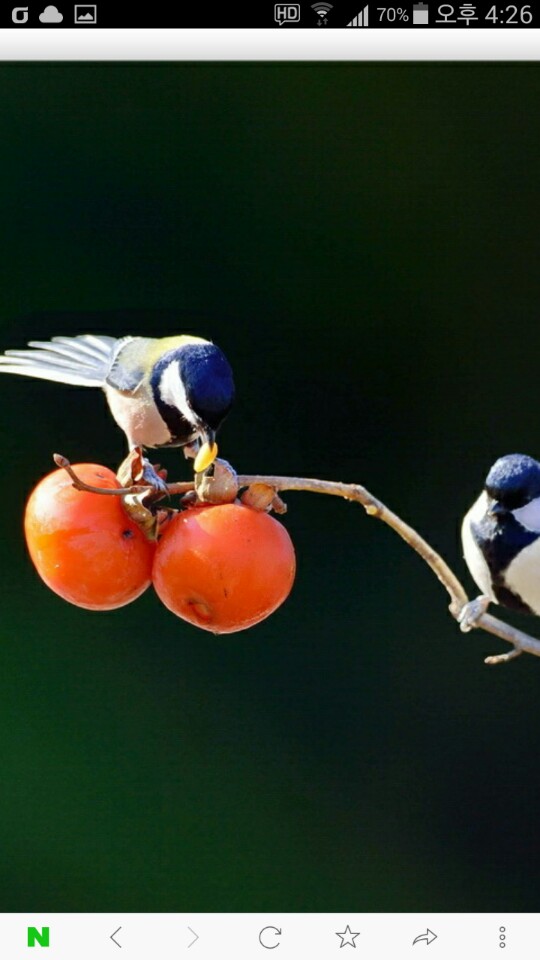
x=112, y=936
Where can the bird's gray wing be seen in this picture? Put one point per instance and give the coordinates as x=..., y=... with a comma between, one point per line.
x=83, y=361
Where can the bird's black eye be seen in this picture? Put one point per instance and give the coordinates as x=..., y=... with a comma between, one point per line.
x=509, y=499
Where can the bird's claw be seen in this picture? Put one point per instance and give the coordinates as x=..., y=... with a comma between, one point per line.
x=150, y=476
x=472, y=611
x=137, y=471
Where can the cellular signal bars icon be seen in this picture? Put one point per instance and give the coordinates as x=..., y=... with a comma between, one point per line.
x=361, y=19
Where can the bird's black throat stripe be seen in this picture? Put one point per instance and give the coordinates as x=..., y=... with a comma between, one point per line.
x=500, y=540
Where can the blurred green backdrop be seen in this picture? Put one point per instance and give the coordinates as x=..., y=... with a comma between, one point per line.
x=363, y=243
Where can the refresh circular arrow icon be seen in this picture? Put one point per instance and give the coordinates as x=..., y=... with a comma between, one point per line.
x=268, y=933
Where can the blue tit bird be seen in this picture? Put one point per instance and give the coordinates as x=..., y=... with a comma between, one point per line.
x=501, y=538
x=168, y=392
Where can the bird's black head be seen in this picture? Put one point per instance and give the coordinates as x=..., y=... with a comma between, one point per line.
x=513, y=481
x=208, y=382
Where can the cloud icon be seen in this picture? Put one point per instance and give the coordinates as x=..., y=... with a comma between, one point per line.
x=51, y=15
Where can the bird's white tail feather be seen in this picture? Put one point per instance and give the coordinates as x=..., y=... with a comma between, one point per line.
x=82, y=361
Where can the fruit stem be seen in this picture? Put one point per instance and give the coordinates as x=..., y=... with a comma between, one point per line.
x=79, y=484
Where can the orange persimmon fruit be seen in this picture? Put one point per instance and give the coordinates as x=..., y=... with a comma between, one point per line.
x=223, y=567
x=84, y=545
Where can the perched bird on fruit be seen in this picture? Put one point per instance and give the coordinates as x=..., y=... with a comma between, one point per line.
x=501, y=538
x=169, y=392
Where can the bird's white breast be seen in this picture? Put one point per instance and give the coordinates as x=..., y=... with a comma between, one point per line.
x=522, y=576
x=138, y=417
x=474, y=557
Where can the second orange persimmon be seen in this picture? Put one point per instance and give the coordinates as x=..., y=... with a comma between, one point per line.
x=224, y=568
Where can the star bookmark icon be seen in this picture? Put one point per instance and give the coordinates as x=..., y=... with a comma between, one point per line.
x=348, y=937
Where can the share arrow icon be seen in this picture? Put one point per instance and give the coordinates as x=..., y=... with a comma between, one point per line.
x=428, y=936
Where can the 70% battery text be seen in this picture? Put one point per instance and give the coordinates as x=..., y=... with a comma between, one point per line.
x=391, y=14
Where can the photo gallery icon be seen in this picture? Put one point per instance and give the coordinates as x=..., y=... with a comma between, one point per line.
x=86, y=13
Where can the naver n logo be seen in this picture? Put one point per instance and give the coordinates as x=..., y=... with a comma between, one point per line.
x=37, y=937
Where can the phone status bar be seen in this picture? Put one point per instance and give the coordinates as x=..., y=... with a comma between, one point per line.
x=283, y=16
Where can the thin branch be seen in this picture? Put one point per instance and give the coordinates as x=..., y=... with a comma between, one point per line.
x=520, y=641
x=504, y=657
x=375, y=508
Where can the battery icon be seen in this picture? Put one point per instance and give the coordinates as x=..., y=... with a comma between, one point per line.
x=420, y=13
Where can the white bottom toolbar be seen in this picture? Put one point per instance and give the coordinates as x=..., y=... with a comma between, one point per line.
x=310, y=936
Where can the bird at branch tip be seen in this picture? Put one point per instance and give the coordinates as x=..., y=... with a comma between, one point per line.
x=501, y=539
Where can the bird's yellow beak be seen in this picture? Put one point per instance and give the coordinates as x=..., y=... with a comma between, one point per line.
x=206, y=456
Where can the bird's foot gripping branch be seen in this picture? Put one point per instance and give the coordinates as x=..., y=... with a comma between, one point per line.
x=218, y=559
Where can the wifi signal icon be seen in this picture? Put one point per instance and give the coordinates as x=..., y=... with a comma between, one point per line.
x=322, y=10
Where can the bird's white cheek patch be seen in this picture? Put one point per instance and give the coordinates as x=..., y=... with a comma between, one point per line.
x=529, y=515
x=523, y=576
x=173, y=392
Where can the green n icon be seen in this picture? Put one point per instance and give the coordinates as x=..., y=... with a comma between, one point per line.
x=39, y=937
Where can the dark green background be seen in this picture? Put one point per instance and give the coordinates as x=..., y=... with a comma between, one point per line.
x=363, y=243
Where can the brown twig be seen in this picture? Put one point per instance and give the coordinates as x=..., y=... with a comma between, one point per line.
x=79, y=484
x=375, y=508
x=521, y=642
